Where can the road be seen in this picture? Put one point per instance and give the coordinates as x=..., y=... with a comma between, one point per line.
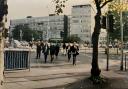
x=85, y=57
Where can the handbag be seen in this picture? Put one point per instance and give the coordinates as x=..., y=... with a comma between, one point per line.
x=77, y=53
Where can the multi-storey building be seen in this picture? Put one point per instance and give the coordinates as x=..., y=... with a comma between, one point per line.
x=103, y=38
x=51, y=26
x=82, y=22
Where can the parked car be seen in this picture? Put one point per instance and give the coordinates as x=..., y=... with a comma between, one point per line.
x=17, y=44
x=110, y=46
x=24, y=43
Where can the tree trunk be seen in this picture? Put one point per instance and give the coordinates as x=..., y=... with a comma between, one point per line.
x=95, y=71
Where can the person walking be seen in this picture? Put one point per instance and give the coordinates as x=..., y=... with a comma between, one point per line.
x=45, y=51
x=74, y=50
x=42, y=44
x=38, y=50
x=30, y=44
x=57, y=48
x=52, y=52
x=64, y=49
x=68, y=50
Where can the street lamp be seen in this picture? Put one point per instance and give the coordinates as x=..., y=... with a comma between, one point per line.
x=121, y=24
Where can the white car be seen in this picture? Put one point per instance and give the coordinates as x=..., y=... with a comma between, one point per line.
x=17, y=44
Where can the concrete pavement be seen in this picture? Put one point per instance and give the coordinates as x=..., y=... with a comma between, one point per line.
x=59, y=74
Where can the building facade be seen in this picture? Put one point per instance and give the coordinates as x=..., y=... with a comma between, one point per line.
x=82, y=22
x=51, y=27
x=103, y=38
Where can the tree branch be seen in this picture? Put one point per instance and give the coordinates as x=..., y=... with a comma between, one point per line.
x=97, y=4
x=105, y=3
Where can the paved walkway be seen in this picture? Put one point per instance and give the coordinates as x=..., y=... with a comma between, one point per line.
x=59, y=75
x=46, y=77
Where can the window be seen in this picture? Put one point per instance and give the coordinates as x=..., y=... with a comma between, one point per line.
x=75, y=21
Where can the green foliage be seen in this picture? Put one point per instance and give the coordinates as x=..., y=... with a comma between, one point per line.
x=60, y=4
x=117, y=32
x=72, y=39
x=27, y=33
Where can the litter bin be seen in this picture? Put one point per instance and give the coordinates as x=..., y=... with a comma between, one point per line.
x=16, y=59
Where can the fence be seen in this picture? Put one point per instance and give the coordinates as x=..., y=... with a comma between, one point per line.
x=15, y=59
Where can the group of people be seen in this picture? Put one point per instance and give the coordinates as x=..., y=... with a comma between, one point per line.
x=45, y=48
x=53, y=50
x=71, y=50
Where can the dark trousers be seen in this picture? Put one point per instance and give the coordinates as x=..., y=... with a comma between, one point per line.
x=56, y=54
x=45, y=58
x=52, y=58
x=74, y=59
x=38, y=54
x=69, y=56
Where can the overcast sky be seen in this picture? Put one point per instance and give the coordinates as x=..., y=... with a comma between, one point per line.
x=23, y=8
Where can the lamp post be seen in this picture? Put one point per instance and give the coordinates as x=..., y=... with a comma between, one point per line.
x=121, y=66
x=121, y=24
x=107, y=28
x=124, y=7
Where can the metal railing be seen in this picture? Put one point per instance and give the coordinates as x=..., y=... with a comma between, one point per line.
x=16, y=59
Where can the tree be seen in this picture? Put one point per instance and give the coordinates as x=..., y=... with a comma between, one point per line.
x=26, y=31
x=116, y=33
x=72, y=39
x=95, y=71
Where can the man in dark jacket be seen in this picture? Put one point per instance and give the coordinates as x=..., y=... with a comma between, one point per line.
x=46, y=51
x=57, y=48
x=42, y=44
x=74, y=50
x=52, y=52
x=68, y=50
x=38, y=50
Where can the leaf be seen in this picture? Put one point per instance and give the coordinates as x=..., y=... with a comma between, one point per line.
x=57, y=1
x=57, y=6
x=63, y=5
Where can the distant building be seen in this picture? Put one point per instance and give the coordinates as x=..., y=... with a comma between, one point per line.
x=82, y=22
x=52, y=26
x=103, y=38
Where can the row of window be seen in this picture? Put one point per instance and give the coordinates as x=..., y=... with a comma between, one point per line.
x=82, y=16
x=102, y=38
x=81, y=21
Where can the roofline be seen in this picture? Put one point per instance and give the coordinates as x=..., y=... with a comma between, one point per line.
x=81, y=5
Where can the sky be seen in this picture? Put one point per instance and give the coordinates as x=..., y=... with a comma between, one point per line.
x=37, y=8
x=19, y=9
